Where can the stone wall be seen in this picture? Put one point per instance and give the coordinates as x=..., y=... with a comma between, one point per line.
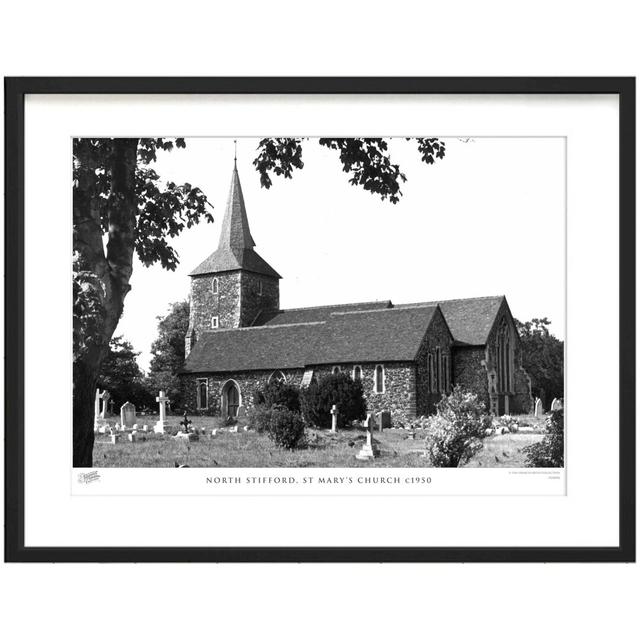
x=469, y=371
x=438, y=335
x=248, y=382
x=398, y=396
x=259, y=293
x=241, y=295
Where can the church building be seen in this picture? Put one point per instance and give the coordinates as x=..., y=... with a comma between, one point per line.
x=406, y=355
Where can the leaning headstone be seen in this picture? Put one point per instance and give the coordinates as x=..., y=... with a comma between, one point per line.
x=334, y=418
x=539, y=411
x=384, y=420
x=162, y=400
x=368, y=452
x=128, y=415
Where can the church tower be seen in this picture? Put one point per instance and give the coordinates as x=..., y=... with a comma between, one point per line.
x=234, y=284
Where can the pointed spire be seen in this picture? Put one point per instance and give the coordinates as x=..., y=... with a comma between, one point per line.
x=235, y=232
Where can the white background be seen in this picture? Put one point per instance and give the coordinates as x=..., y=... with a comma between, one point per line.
x=373, y=601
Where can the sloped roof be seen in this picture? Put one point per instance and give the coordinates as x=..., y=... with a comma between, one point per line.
x=315, y=314
x=470, y=319
x=235, y=249
x=252, y=348
x=381, y=335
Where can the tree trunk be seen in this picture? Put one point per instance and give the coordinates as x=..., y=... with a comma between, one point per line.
x=113, y=270
x=84, y=391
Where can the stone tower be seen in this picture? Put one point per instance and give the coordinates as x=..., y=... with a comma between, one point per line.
x=234, y=284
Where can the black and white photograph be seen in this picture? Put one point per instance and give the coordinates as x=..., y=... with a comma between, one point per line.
x=319, y=302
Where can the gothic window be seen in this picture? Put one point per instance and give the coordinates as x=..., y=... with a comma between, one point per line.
x=504, y=359
x=202, y=393
x=278, y=376
x=335, y=371
x=379, y=379
x=214, y=322
x=445, y=374
x=357, y=372
x=260, y=287
x=438, y=369
x=430, y=374
x=214, y=286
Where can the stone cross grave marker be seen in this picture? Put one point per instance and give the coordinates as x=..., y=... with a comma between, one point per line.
x=539, y=411
x=104, y=396
x=334, y=418
x=368, y=452
x=162, y=419
x=128, y=415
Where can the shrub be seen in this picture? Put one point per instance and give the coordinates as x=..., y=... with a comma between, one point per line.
x=339, y=389
x=276, y=392
x=286, y=428
x=549, y=452
x=455, y=433
x=259, y=417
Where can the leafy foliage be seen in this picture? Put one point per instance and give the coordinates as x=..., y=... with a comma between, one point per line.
x=122, y=377
x=286, y=428
x=339, y=389
x=278, y=392
x=549, y=452
x=259, y=417
x=168, y=353
x=454, y=434
x=366, y=160
x=542, y=359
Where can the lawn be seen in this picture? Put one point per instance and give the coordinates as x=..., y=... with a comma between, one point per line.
x=323, y=449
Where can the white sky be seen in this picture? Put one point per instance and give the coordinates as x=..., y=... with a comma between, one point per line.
x=489, y=219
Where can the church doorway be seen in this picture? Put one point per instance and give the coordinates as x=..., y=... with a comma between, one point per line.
x=230, y=399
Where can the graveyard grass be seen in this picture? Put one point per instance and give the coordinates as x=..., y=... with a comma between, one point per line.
x=322, y=449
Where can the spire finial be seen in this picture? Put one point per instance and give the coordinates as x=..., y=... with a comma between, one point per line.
x=235, y=153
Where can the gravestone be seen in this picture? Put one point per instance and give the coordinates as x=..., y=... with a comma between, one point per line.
x=96, y=410
x=384, y=420
x=538, y=411
x=334, y=418
x=368, y=452
x=162, y=400
x=133, y=436
x=556, y=405
x=242, y=412
x=128, y=415
x=104, y=396
x=114, y=438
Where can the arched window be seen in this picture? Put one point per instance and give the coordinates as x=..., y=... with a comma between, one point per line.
x=214, y=286
x=430, y=373
x=357, y=372
x=202, y=393
x=214, y=322
x=445, y=374
x=438, y=369
x=379, y=379
x=504, y=356
x=277, y=376
x=335, y=371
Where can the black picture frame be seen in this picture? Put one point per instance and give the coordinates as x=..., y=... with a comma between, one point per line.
x=15, y=91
